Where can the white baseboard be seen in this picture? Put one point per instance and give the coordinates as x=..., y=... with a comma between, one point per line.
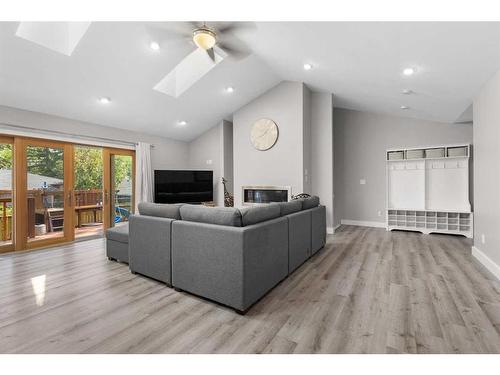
x=375, y=224
x=330, y=230
x=486, y=262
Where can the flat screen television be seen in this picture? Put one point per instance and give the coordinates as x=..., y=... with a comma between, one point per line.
x=183, y=186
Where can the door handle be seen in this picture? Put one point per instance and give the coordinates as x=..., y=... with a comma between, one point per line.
x=70, y=198
x=106, y=196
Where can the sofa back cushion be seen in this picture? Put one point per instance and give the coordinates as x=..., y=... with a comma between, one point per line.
x=170, y=211
x=227, y=216
x=287, y=208
x=310, y=202
x=257, y=214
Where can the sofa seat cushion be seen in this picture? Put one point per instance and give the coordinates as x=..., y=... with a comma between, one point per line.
x=310, y=202
x=254, y=215
x=287, y=208
x=228, y=216
x=119, y=233
x=170, y=211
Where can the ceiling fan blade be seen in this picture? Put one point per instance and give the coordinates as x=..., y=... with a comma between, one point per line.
x=236, y=54
x=234, y=27
x=235, y=48
x=211, y=54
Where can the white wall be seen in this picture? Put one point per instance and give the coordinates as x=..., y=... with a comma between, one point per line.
x=282, y=165
x=487, y=175
x=360, y=142
x=321, y=173
x=167, y=153
x=205, y=153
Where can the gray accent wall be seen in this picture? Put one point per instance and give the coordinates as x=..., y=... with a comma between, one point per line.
x=487, y=173
x=213, y=150
x=282, y=165
x=360, y=142
x=205, y=153
x=167, y=153
x=303, y=155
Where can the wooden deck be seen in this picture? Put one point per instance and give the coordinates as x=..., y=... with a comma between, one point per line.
x=367, y=291
x=81, y=232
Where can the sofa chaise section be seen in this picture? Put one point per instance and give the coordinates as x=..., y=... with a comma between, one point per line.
x=117, y=242
x=150, y=241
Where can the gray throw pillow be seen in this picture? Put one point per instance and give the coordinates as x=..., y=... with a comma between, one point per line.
x=170, y=211
x=228, y=216
x=258, y=214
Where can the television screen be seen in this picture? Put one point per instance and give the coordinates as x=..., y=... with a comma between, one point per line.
x=183, y=186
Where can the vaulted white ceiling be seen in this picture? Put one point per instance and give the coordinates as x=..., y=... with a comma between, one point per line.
x=360, y=63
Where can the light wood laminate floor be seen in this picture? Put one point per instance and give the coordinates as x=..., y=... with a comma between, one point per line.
x=367, y=291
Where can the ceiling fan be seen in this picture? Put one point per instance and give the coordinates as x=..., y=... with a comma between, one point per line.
x=209, y=36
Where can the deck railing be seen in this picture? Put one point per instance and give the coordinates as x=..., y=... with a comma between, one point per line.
x=5, y=219
x=39, y=199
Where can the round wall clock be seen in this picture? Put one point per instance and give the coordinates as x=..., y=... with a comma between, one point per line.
x=264, y=134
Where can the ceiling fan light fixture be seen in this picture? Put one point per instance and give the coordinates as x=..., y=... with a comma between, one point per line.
x=204, y=38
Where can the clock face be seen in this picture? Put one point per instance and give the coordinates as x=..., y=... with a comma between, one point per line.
x=264, y=134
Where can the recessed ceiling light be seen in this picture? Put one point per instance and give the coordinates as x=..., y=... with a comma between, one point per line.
x=407, y=92
x=408, y=71
x=104, y=100
x=154, y=46
x=181, y=123
x=307, y=66
x=229, y=89
x=404, y=107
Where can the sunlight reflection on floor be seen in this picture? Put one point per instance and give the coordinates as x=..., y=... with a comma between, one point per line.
x=38, y=284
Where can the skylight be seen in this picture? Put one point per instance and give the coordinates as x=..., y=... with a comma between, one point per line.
x=190, y=70
x=62, y=37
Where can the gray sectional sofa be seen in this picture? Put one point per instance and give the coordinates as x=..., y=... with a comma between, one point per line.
x=117, y=248
x=228, y=255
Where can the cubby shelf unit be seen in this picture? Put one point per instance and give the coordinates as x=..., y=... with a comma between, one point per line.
x=431, y=221
x=428, y=190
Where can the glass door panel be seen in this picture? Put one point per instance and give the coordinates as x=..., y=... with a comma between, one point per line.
x=119, y=171
x=121, y=188
x=6, y=196
x=45, y=193
x=88, y=191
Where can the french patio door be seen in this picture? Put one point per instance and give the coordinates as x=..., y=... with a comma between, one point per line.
x=6, y=194
x=52, y=192
x=119, y=186
x=88, y=191
x=43, y=199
